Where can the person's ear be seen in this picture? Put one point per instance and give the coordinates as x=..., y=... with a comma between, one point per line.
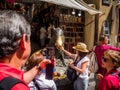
x=23, y=42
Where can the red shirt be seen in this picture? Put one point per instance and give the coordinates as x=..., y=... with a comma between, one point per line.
x=6, y=70
x=109, y=81
x=99, y=50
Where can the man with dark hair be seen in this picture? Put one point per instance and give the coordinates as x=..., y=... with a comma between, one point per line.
x=14, y=47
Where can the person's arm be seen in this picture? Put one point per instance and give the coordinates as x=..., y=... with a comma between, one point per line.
x=114, y=48
x=82, y=69
x=29, y=75
x=68, y=53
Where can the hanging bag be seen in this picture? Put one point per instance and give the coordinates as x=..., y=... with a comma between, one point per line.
x=93, y=67
x=71, y=73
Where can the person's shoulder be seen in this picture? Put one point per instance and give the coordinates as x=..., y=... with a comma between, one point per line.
x=102, y=46
x=86, y=58
x=16, y=84
x=20, y=86
x=111, y=77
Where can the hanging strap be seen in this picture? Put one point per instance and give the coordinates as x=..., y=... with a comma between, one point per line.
x=94, y=48
x=37, y=86
x=8, y=82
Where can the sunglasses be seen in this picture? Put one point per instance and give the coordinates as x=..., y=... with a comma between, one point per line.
x=105, y=59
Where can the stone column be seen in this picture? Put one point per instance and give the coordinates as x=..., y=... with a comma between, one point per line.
x=89, y=30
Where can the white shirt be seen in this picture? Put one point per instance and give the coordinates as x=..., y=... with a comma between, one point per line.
x=42, y=33
x=43, y=83
x=49, y=31
x=79, y=64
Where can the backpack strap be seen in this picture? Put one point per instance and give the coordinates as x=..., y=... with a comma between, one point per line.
x=37, y=86
x=94, y=48
x=8, y=82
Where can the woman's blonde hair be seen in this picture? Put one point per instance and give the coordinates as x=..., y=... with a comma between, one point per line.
x=114, y=55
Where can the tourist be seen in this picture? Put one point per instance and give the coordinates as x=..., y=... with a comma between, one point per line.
x=99, y=50
x=81, y=83
x=42, y=36
x=14, y=47
x=40, y=82
x=110, y=61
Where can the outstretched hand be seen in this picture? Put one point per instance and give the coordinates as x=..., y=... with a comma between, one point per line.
x=44, y=62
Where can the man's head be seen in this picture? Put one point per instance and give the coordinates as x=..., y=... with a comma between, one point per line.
x=103, y=39
x=14, y=35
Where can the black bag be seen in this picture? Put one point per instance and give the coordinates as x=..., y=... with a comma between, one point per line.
x=71, y=73
x=8, y=82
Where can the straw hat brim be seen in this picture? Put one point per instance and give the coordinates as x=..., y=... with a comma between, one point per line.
x=78, y=49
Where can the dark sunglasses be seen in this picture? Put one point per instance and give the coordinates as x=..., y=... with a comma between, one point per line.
x=105, y=59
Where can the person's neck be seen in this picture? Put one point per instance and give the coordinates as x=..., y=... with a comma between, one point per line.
x=109, y=69
x=16, y=63
x=101, y=43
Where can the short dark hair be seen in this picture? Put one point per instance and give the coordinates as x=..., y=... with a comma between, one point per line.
x=12, y=28
x=102, y=38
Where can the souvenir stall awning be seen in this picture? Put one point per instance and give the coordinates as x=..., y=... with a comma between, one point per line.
x=76, y=4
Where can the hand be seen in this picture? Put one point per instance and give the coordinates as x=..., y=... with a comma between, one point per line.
x=71, y=64
x=44, y=62
x=89, y=73
x=99, y=76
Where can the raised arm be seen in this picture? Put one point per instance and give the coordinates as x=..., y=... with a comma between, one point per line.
x=29, y=75
x=71, y=55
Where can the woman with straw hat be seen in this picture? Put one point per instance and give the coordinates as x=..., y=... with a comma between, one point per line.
x=81, y=83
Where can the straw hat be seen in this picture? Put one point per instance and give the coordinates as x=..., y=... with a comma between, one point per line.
x=81, y=47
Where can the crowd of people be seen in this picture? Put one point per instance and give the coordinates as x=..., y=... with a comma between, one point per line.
x=42, y=34
x=99, y=50
x=15, y=49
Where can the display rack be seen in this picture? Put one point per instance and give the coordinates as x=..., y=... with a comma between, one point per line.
x=73, y=32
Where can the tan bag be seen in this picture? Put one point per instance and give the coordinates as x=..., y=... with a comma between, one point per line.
x=93, y=67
